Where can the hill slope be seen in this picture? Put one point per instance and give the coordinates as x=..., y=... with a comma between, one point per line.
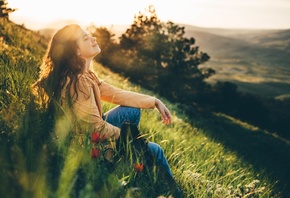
x=211, y=155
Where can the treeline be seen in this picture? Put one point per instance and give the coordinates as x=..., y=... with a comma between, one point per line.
x=159, y=57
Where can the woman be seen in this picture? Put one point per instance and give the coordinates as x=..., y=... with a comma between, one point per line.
x=66, y=79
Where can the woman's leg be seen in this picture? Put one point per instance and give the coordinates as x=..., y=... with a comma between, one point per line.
x=165, y=171
x=159, y=156
x=120, y=114
x=117, y=116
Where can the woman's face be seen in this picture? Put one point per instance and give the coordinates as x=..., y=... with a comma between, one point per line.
x=88, y=47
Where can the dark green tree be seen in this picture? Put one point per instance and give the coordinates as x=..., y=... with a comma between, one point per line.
x=4, y=9
x=107, y=43
x=139, y=42
x=162, y=59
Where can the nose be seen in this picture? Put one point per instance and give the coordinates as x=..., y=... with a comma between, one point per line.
x=94, y=39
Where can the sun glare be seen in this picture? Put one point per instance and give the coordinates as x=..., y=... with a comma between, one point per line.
x=86, y=11
x=206, y=13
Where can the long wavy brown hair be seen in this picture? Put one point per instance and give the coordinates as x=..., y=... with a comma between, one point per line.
x=60, y=62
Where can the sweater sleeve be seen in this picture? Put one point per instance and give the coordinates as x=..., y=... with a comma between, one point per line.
x=87, y=111
x=118, y=96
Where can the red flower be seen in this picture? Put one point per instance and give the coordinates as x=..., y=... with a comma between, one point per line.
x=95, y=153
x=96, y=137
x=139, y=167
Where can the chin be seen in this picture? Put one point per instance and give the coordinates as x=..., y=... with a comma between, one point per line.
x=99, y=50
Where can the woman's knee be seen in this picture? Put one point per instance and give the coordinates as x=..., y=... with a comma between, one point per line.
x=137, y=112
x=121, y=114
x=134, y=110
x=132, y=114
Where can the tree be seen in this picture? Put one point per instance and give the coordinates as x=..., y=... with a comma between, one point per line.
x=140, y=46
x=162, y=59
x=4, y=10
x=106, y=41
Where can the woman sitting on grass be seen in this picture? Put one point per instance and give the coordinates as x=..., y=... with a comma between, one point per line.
x=67, y=79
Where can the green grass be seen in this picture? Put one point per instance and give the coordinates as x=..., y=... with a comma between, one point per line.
x=211, y=155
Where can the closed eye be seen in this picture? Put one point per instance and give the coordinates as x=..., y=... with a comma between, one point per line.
x=86, y=37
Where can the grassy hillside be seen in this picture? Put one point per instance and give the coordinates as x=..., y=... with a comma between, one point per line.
x=211, y=155
x=214, y=141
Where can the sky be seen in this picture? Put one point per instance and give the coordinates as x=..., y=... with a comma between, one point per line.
x=258, y=14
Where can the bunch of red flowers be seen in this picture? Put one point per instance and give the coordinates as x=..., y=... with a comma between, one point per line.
x=96, y=138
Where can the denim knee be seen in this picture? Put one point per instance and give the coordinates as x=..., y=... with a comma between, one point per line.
x=120, y=114
x=132, y=115
x=136, y=112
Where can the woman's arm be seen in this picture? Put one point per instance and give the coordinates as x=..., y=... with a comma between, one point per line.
x=115, y=95
x=118, y=96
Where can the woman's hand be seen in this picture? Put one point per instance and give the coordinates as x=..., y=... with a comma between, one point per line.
x=165, y=113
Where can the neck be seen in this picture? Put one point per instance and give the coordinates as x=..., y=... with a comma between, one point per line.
x=87, y=65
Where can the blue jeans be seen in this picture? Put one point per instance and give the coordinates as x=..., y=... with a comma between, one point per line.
x=120, y=114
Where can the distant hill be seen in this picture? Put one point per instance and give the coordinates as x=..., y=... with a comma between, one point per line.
x=279, y=39
x=258, y=61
